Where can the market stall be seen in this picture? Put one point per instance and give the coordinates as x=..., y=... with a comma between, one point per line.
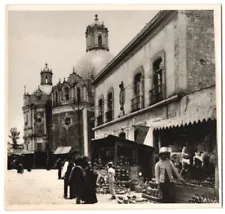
x=62, y=152
x=128, y=157
x=194, y=153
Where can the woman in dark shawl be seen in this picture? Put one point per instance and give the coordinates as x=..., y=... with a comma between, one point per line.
x=90, y=184
x=77, y=180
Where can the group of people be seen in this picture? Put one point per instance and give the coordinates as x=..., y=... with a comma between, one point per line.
x=81, y=180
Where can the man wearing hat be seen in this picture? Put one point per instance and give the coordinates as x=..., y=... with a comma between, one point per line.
x=164, y=170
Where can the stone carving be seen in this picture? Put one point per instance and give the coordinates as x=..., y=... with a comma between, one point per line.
x=122, y=99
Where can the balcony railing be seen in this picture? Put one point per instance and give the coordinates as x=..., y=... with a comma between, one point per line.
x=109, y=115
x=99, y=120
x=137, y=103
x=156, y=94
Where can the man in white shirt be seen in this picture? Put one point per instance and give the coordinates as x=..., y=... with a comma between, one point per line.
x=65, y=167
x=164, y=170
x=111, y=177
x=66, y=163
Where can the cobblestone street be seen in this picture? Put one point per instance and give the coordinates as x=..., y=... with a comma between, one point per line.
x=38, y=187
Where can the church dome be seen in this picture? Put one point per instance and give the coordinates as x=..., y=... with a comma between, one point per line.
x=97, y=50
x=92, y=63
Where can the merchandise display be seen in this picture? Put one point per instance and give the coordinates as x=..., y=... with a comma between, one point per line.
x=151, y=192
x=203, y=199
x=131, y=199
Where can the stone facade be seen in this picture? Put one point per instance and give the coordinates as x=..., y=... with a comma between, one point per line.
x=36, y=121
x=67, y=130
x=176, y=40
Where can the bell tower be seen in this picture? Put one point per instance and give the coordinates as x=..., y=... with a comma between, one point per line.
x=46, y=79
x=96, y=36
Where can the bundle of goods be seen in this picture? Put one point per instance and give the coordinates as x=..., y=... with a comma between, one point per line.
x=102, y=182
x=98, y=164
x=131, y=199
x=203, y=199
x=104, y=189
x=151, y=191
x=121, y=187
x=207, y=182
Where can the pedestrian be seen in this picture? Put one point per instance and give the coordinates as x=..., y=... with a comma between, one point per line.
x=48, y=164
x=164, y=170
x=66, y=178
x=111, y=178
x=90, y=183
x=20, y=168
x=77, y=180
x=59, y=167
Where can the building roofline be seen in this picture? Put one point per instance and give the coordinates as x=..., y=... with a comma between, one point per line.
x=133, y=43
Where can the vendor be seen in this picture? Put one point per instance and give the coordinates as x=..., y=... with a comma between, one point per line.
x=111, y=178
x=164, y=170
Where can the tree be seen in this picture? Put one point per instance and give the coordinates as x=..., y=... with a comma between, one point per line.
x=14, y=135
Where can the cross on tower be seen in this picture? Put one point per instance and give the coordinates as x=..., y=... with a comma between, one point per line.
x=46, y=65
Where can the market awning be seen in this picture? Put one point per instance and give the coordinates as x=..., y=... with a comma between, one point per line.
x=20, y=152
x=191, y=118
x=111, y=139
x=142, y=132
x=62, y=150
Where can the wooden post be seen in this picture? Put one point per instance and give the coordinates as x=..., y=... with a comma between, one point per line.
x=115, y=154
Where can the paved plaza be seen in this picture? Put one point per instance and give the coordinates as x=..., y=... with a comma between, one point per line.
x=39, y=187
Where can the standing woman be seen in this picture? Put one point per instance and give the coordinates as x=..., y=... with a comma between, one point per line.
x=90, y=184
x=77, y=180
x=164, y=170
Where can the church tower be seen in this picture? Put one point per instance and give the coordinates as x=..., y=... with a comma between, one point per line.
x=96, y=36
x=46, y=80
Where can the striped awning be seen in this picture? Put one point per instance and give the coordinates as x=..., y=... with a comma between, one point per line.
x=62, y=150
x=191, y=118
x=19, y=152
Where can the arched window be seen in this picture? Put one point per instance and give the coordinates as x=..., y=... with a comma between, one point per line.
x=46, y=79
x=138, y=90
x=156, y=94
x=100, y=111
x=122, y=135
x=66, y=90
x=137, y=84
x=100, y=107
x=100, y=40
x=109, y=113
x=78, y=95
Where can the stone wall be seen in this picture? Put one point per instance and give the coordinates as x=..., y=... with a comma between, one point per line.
x=200, y=49
x=160, y=44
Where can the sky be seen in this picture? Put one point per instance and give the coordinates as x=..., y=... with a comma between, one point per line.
x=57, y=38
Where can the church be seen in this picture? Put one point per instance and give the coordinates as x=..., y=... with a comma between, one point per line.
x=62, y=114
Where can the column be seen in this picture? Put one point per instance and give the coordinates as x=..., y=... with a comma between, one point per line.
x=44, y=119
x=106, y=41
x=85, y=131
